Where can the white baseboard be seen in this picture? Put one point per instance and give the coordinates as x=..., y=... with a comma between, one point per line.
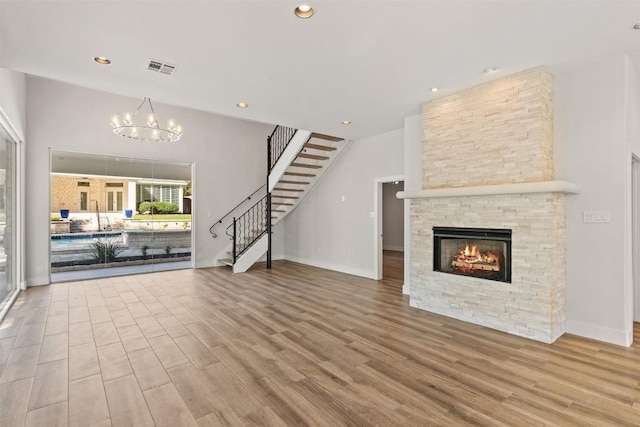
x=600, y=333
x=39, y=281
x=206, y=264
x=327, y=266
x=393, y=248
x=405, y=289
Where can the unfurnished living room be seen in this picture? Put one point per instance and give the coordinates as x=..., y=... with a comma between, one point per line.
x=270, y=213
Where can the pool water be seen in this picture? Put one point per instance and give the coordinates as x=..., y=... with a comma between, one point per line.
x=82, y=238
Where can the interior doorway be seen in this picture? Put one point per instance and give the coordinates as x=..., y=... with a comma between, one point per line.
x=389, y=230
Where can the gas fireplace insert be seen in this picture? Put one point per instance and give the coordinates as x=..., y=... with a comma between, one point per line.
x=477, y=252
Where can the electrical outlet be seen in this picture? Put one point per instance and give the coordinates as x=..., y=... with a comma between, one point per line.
x=596, y=217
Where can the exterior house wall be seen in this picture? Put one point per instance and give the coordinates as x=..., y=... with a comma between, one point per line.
x=65, y=193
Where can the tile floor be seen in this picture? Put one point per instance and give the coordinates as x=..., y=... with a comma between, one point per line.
x=102, y=352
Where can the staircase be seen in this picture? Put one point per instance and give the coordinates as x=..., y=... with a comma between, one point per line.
x=296, y=160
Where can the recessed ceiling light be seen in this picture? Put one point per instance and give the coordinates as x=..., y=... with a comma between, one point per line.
x=346, y=122
x=490, y=70
x=636, y=26
x=435, y=89
x=303, y=11
x=102, y=60
x=242, y=105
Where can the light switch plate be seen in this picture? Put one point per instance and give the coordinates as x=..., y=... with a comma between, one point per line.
x=596, y=217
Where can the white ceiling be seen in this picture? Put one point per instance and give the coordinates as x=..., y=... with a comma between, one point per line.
x=372, y=62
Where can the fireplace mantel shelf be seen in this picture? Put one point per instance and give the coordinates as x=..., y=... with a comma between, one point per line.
x=492, y=190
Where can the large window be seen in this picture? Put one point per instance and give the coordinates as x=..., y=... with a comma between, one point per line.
x=159, y=193
x=102, y=233
x=8, y=281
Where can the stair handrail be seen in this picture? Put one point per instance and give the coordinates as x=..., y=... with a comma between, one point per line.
x=249, y=221
x=213, y=234
x=277, y=142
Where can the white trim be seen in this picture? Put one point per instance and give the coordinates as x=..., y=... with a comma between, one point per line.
x=333, y=267
x=490, y=190
x=39, y=281
x=11, y=130
x=377, y=222
x=600, y=333
x=406, y=287
x=635, y=240
x=393, y=248
x=20, y=209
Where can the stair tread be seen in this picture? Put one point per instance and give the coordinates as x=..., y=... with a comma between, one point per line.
x=284, y=197
x=281, y=204
x=319, y=147
x=287, y=181
x=325, y=137
x=297, y=190
x=308, y=175
x=306, y=165
x=227, y=261
x=312, y=156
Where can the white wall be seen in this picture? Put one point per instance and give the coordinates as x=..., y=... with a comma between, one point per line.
x=228, y=156
x=13, y=100
x=392, y=217
x=329, y=232
x=412, y=181
x=592, y=150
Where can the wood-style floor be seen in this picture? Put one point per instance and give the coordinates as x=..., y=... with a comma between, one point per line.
x=292, y=346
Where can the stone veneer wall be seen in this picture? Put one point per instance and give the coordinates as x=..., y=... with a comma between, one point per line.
x=497, y=133
x=500, y=132
x=533, y=304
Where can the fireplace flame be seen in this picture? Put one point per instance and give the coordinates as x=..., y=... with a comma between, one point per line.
x=471, y=257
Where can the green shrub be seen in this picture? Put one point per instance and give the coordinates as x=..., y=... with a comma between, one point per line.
x=158, y=207
x=106, y=250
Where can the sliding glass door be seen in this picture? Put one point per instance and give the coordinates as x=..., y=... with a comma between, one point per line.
x=117, y=215
x=8, y=215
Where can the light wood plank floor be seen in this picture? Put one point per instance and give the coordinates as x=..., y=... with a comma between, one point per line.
x=292, y=346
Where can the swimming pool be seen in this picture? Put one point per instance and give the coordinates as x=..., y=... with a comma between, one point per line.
x=83, y=238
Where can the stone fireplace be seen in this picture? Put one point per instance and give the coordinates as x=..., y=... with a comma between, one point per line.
x=487, y=155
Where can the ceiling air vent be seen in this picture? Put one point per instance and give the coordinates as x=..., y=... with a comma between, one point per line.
x=161, y=67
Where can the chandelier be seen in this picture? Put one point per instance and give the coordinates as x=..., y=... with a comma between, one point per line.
x=128, y=127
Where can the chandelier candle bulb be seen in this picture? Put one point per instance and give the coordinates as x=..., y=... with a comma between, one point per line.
x=149, y=131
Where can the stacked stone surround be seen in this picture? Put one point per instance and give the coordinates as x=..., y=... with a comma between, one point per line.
x=499, y=133
x=533, y=304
